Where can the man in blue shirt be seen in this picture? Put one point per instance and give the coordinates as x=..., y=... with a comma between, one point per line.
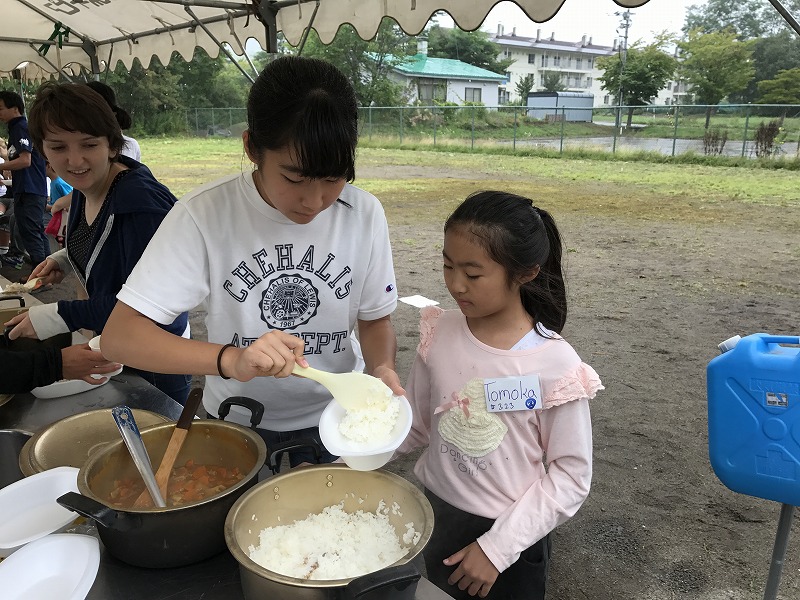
x=29, y=182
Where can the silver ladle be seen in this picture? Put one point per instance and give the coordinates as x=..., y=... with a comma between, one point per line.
x=133, y=440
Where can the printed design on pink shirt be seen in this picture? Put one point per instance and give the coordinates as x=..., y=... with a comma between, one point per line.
x=467, y=424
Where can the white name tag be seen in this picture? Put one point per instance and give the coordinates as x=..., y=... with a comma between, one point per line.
x=505, y=394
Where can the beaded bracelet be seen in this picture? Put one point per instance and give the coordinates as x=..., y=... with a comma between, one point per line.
x=219, y=359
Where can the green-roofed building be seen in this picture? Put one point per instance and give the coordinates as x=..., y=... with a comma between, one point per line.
x=445, y=79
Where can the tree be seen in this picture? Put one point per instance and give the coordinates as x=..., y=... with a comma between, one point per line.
x=524, y=87
x=366, y=64
x=776, y=46
x=783, y=89
x=551, y=82
x=646, y=72
x=157, y=97
x=472, y=47
x=750, y=19
x=715, y=65
x=770, y=56
x=151, y=96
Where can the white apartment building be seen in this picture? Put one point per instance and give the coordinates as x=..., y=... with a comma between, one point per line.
x=576, y=62
x=675, y=92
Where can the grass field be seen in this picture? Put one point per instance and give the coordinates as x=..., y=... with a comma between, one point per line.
x=676, y=191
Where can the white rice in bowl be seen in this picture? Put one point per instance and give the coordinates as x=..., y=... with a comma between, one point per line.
x=372, y=425
x=333, y=544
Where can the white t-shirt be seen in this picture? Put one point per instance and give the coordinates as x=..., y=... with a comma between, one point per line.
x=254, y=270
x=131, y=148
x=3, y=188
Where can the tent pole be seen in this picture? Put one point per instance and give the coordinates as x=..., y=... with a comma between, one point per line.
x=91, y=50
x=308, y=29
x=268, y=13
x=227, y=52
x=786, y=15
x=49, y=62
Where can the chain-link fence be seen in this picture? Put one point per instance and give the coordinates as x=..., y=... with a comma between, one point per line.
x=750, y=130
x=225, y=122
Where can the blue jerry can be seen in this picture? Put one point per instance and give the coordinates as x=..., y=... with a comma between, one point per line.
x=754, y=417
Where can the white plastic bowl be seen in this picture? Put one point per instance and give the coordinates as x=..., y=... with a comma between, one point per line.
x=61, y=565
x=358, y=456
x=69, y=387
x=30, y=510
x=94, y=343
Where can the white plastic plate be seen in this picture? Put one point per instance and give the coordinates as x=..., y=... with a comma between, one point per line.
x=61, y=565
x=30, y=510
x=68, y=387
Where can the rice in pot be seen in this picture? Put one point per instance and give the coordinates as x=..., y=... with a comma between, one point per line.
x=333, y=544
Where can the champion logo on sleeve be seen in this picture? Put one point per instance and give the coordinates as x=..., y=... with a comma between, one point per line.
x=389, y=288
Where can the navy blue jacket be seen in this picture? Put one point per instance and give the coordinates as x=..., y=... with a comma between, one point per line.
x=32, y=179
x=138, y=205
x=22, y=371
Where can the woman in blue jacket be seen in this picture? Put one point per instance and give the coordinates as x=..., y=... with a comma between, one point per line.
x=117, y=205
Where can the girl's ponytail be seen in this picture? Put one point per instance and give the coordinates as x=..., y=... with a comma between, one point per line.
x=545, y=297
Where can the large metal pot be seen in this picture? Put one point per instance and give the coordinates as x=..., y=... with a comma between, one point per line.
x=60, y=340
x=69, y=442
x=293, y=496
x=167, y=537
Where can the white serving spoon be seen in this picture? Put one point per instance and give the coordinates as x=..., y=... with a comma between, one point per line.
x=352, y=390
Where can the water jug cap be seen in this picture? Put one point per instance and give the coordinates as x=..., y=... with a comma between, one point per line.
x=729, y=343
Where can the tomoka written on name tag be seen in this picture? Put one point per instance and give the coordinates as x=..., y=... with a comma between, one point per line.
x=505, y=394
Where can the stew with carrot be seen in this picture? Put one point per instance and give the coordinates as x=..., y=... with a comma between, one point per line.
x=188, y=483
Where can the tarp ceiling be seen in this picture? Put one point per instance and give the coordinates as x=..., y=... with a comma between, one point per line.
x=87, y=35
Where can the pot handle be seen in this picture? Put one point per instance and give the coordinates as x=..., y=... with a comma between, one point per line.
x=403, y=578
x=14, y=297
x=91, y=509
x=256, y=408
x=4, y=339
x=276, y=451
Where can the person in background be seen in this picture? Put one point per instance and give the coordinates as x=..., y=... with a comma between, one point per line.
x=117, y=205
x=21, y=371
x=4, y=175
x=29, y=180
x=5, y=201
x=296, y=261
x=500, y=474
x=59, y=190
x=131, y=147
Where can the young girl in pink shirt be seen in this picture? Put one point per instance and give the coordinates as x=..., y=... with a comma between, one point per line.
x=501, y=401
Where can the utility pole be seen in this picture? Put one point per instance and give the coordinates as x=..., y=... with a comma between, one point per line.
x=623, y=49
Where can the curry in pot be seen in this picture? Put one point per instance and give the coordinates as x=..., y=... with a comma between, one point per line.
x=189, y=483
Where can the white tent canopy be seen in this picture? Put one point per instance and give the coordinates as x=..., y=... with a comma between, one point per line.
x=72, y=36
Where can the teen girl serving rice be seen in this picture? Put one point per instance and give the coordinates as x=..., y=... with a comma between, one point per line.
x=287, y=259
x=496, y=393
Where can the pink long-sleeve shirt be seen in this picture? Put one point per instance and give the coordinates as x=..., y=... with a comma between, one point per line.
x=509, y=483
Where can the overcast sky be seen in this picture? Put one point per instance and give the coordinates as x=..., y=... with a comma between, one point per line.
x=595, y=18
